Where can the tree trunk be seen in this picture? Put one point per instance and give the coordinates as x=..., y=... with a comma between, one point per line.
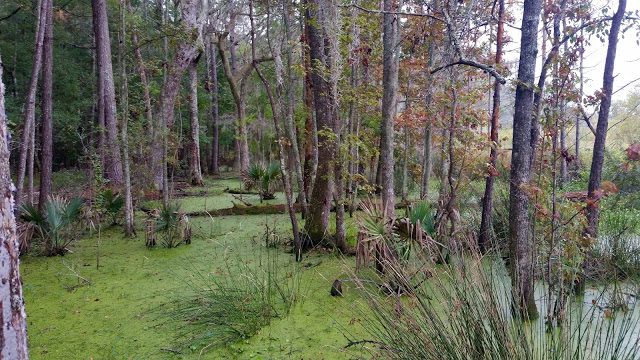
x=30, y=102
x=577, y=145
x=281, y=153
x=146, y=96
x=185, y=53
x=317, y=223
x=14, y=324
x=129, y=226
x=520, y=245
x=214, y=167
x=196, y=173
x=107, y=94
x=310, y=129
x=291, y=132
x=46, y=155
x=427, y=163
x=389, y=102
x=484, y=237
x=595, y=176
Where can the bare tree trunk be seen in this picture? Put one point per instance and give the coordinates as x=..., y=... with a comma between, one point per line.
x=31, y=164
x=46, y=155
x=185, y=53
x=30, y=102
x=595, y=176
x=14, y=324
x=317, y=223
x=310, y=128
x=214, y=167
x=281, y=152
x=291, y=96
x=389, y=102
x=106, y=93
x=577, y=160
x=484, y=237
x=146, y=96
x=405, y=160
x=129, y=226
x=520, y=245
x=196, y=173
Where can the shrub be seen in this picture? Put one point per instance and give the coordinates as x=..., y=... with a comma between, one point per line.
x=264, y=178
x=55, y=227
x=172, y=225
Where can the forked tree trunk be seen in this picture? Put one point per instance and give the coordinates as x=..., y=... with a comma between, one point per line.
x=13, y=317
x=112, y=164
x=520, y=244
x=46, y=155
x=595, y=176
x=484, y=238
x=30, y=103
x=281, y=152
x=194, y=147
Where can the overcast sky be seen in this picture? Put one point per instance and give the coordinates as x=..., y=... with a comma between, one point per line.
x=627, y=67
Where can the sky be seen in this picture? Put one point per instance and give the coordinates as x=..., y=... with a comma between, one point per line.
x=627, y=66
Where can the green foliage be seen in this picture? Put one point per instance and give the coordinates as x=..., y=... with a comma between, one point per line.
x=265, y=178
x=111, y=203
x=173, y=226
x=55, y=227
x=465, y=312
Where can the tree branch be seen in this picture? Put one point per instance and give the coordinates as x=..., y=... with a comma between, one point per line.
x=473, y=63
x=12, y=13
x=391, y=12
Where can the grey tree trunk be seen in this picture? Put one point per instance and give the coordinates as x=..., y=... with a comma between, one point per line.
x=214, y=167
x=107, y=94
x=146, y=96
x=194, y=156
x=13, y=317
x=595, y=175
x=290, y=103
x=389, y=102
x=281, y=152
x=186, y=51
x=310, y=129
x=46, y=155
x=427, y=162
x=129, y=226
x=520, y=244
x=30, y=102
x=484, y=238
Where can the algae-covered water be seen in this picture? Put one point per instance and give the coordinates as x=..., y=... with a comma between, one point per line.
x=120, y=316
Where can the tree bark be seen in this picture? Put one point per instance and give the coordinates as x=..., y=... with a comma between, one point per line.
x=520, y=244
x=146, y=96
x=112, y=164
x=194, y=158
x=310, y=129
x=14, y=324
x=46, y=155
x=129, y=226
x=281, y=152
x=484, y=237
x=214, y=167
x=30, y=102
x=317, y=223
x=186, y=51
x=595, y=176
x=389, y=102
x=427, y=163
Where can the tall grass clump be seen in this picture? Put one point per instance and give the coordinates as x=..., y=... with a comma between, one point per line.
x=464, y=311
x=234, y=300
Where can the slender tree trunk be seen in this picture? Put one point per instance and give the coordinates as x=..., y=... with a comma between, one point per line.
x=30, y=102
x=31, y=164
x=317, y=223
x=214, y=167
x=14, y=323
x=310, y=129
x=129, y=226
x=405, y=158
x=595, y=176
x=146, y=96
x=577, y=160
x=484, y=238
x=521, y=245
x=196, y=173
x=389, y=102
x=290, y=103
x=106, y=93
x=46, y=155
x=281, y=152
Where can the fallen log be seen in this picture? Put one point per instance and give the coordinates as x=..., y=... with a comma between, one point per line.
x=262, y=209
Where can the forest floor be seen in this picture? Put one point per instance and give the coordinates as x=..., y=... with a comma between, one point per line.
x=126, y=311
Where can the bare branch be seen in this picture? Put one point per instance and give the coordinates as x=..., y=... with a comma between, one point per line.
x=391, y=12
x=473, y=63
